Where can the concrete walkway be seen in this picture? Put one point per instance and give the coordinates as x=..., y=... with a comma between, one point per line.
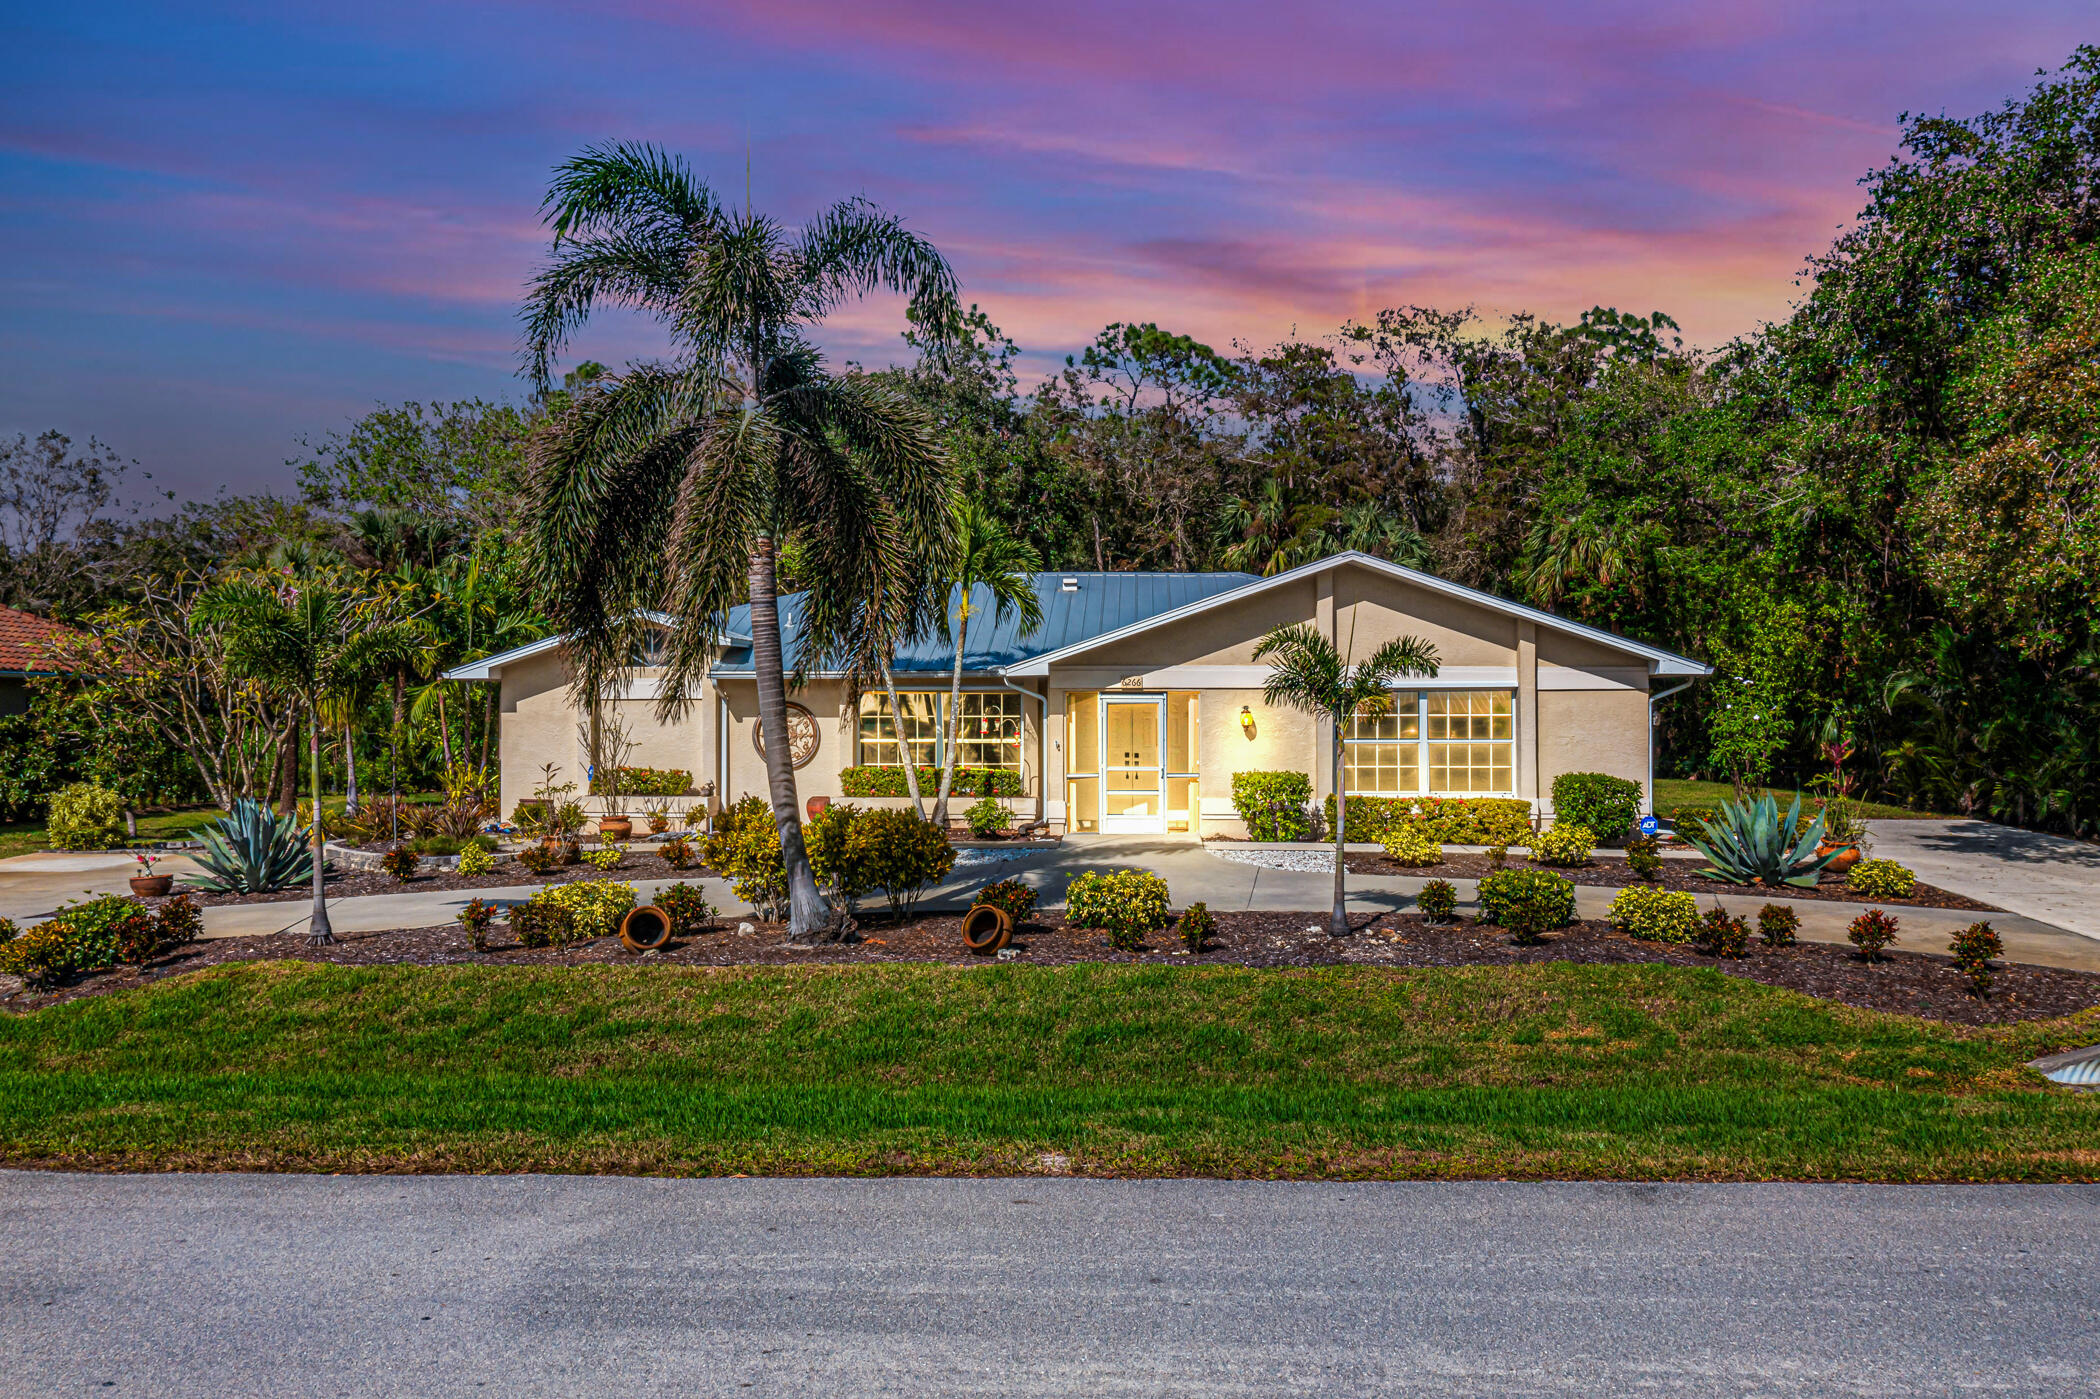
x=2051, y=878
x=1192, y=873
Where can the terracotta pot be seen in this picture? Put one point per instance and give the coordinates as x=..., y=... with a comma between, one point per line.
x=1848, y=856
x=815, y=806
x=986, y=929
x=152, y=886
x=614, y=828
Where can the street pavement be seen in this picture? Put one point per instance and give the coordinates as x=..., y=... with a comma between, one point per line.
x=292, y=1286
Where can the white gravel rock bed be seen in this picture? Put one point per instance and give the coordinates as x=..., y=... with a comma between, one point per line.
x=1302, y=861
x=966, y=858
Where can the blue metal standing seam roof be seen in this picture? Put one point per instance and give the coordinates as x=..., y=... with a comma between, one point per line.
x=1101, y=603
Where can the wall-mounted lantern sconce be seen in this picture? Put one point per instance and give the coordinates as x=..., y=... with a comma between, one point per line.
x=1246, y=721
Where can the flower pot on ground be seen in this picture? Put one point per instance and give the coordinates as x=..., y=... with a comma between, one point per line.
x=152, y=886
x=1842, y=857
x=614, y=828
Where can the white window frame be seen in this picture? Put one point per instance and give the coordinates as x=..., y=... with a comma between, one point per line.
x=1422, y=743
x=880, y=699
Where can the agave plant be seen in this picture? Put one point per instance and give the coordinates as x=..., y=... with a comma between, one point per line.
x=1751, y=843
x=252, y=850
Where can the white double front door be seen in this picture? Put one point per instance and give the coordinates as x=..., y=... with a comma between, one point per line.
x=1133, y=778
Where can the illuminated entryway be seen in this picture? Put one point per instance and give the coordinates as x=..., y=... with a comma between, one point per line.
x=1133, y=787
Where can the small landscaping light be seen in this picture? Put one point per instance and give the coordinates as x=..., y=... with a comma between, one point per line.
x=1246, y=721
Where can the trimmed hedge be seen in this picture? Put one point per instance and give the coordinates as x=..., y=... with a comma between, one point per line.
x=648, y=782
x=1450, y=820
x=1276, y=805
x=969, y=782
x=1607, y=805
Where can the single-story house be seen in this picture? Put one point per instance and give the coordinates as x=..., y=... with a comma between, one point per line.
x=24, y=655
x=1138, y=697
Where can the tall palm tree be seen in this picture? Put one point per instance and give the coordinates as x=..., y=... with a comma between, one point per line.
x=675, y=485
x=1309, y=674
x=986, y=556
x=311, y=635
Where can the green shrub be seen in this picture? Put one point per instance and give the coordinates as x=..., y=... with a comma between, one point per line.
x=1015, y=899
x=1274, y=805
x=1449, y=820
x=892, y=850
x=1408, y=843
x=95, y=934
x=833, y=857
x=646, y=782
x=686, y=907
x=475, y=861
x=986, y=819
x=609, y=856
x=9, y=932
x=1527, y=902
x=85, y=817
x=529, y=815
x=540, y=859
x=1871, y=933
x=1607, y=805
x=1498, y=855
x=1882, y=879
x=40, y=956
x=745, y=850
x=1644, y=857
x=1722, y=935
x=475, y=918
x=589, y=908
x=1125, y=904
x=1972, y=949
x=1777, y=924
x=1657, y=915
x=889, y=782
x=400, y=862
x=1196, y=925
x=441, y=845
x=1563, y=844
x=535, y=924
x=180, y=922
x=1438, y=899
x=1688, y=823
x=677, y=852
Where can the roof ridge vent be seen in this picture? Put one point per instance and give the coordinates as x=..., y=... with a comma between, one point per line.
x=1068, y=584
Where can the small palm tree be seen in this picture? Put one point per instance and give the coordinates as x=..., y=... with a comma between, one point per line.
x=676, y=485
x=986, y=555
x=310, y=635
x=1309, y=674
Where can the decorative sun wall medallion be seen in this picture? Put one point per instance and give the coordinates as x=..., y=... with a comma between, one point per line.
x=802, y=735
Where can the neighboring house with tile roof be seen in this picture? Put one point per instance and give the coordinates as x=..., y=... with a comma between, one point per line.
x=24, y=643
x=1130, y=708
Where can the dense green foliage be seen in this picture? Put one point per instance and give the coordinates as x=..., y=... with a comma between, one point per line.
x=1660, y=915
x=1275, y=805
x=1125, y=904
x=889, y=781
x=85, y=817
x=1607, y=805
x=1527, y=902
x=252, y=850
x=1448, y=820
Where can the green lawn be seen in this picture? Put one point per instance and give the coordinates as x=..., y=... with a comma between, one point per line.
x=1674, y=792
x=1548, y=1070
x=28, y=837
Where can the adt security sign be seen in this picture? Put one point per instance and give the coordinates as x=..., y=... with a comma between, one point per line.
x=1647, y=825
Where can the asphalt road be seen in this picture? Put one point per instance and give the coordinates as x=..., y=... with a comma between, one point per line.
x=294, y=1286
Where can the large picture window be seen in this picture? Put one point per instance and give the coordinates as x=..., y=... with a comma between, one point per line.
x=878, y=744
x=1433, y=742
x=989, y=734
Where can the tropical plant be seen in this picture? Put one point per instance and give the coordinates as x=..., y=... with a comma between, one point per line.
x=1721, y=934
x=1196, y=926
x=539, y=859
x=591, y=908
x=1125, y=904
x=1438, y=900
x=676, y=484
x=85, y=817
x=1871, y=933
x=987, y=818
x=1777, y=924
x=475, y=918
x=898, y=854
x=744, y=848
x=608, y=857
x=677, y=852
x=1973, y=949
x=1749, y=842
x=476, y=860
x=1308, y=673
x=1564, y=843
x=251, y=850
x=311, y=633
x=401, y=862
x=987, y=560
x=1274, y=805
x=1644, y=857
x=686, y=907
x=1015, y=899
x=1409, y=843
x=1881, y=879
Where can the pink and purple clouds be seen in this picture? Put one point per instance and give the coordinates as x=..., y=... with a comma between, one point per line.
x=229, y=224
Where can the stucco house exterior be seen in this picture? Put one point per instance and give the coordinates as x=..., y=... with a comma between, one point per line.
x=1131, y=706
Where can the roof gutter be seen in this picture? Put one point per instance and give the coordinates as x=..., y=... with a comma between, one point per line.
x=1653, y=700
x=1042, y=728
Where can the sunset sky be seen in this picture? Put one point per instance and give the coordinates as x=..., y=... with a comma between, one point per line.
x=227, y=225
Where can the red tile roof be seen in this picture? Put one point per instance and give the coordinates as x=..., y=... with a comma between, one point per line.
x=22, y=639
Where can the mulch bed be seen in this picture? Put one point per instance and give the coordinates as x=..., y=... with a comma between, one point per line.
x=1904, y=983
x=1676, y=874
x=344, y=884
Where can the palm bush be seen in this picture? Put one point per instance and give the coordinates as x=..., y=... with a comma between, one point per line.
x=1751, y=843
x=252, y=850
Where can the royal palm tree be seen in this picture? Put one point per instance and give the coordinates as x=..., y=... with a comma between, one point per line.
x=986, y=556
x=312, y=635
x=675, y=485
x=1309, y=674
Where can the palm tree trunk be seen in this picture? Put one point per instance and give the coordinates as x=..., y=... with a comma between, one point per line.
x=287, y=785
x=1338, y=923
x=488, y=727
x=808, y=914
x=911, y=765
x=349, y=771
x=318, y=932
x=952, y=728
x=444, y=727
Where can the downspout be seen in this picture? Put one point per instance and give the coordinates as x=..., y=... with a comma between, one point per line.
x=1042, y=732
x=1653, y=700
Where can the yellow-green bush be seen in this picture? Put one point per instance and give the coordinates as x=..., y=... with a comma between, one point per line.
x=474, y=860
x=85, y=817
x=590, y=908
x=1125, y=904
x=745, y=850
x=1409, y=843
x=1564, y=843
x=1882, y=879
x=1449, y=820
x=1659, y=915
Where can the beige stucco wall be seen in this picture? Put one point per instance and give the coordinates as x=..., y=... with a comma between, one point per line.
x=1371, y=609
x=1593, y=731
